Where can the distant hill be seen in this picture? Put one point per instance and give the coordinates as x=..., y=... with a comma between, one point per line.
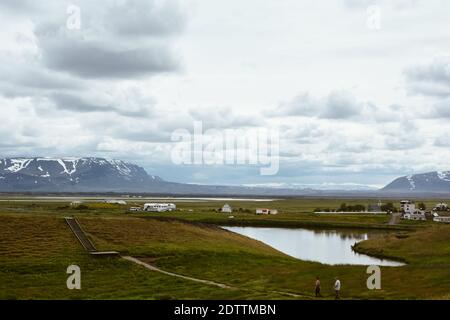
x=437, y=181
x=99, y=175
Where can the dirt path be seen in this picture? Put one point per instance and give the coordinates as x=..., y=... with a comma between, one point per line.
x=395, y=218
x=208, y=282
x=153, y=268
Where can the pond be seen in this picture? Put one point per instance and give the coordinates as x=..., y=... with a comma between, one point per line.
x=324, y=246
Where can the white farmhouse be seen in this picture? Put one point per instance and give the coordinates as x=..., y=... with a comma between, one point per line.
x=226, y=208
x=266, y=211
x=441, y=207
x=416, y=215
x=408, y=208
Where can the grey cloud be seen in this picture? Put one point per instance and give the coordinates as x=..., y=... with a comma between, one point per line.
x=442, y=109
x=303, y=133
x=431, y=79
x=19, y=6
x=341, y=105
x=74, y=103
x=301, y=105
x=442, y=141
x=94, y=60
x=29, y=79
x=122, y=18
x=404, y=136
x=404, y=142
x=106, y=47
x=390, y=114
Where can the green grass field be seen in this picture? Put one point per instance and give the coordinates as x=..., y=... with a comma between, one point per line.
x=37, y=246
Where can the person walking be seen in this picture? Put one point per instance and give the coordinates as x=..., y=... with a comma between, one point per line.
x=318, y=288
x=337, y=288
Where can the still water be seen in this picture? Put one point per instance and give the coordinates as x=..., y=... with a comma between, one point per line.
x=324, y=246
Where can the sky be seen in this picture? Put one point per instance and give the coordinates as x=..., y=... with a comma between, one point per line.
x=357, y=91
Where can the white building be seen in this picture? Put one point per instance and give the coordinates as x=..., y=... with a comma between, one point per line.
x=266, y=211
x=415, y=215
x=159, y=207
x=441, y=219
x=226, y=208
x=407, y=206
x=441, y=207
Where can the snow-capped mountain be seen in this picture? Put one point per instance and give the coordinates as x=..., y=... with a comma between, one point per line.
x=438, y=181
x=72, y=174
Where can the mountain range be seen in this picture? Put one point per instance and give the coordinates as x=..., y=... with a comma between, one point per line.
x=80, y=175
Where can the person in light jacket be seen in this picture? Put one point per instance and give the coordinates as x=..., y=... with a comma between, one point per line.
x=318, y=287
x=337, y=288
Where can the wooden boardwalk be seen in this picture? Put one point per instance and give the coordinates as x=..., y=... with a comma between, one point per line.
x=84, y=240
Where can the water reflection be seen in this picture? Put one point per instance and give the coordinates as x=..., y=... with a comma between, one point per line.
x=325, y=246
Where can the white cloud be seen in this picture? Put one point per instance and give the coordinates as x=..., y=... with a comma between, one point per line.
x=336, y=105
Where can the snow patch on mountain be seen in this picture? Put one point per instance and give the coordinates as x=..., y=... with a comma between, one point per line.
x=411, y=182
x=443, y=175
x=18, y=164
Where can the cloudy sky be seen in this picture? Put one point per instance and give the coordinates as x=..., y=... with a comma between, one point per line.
x=359, y=90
